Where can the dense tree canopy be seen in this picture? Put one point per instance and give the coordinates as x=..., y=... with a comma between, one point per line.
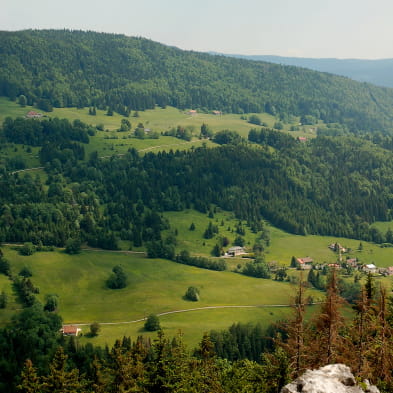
x=86, y=69
x=329, y=186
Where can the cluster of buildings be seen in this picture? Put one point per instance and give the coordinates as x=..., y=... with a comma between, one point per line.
x=307, y=263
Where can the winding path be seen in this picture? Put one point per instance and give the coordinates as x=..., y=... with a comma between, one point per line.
x=188, y=310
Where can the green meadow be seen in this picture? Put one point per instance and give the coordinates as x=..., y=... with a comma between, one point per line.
x=194, y=241
x=154, y=286
x=157, y=286
x=111, y=142
x=283, y=245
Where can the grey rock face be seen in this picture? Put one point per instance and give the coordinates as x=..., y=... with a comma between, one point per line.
x=334, y=378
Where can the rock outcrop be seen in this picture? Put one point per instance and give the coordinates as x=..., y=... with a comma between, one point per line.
x=334, y=378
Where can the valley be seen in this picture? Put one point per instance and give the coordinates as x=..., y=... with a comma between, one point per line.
x=188, y=212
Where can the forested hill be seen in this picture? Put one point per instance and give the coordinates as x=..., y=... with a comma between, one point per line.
x=74, y=68
x=378, y=72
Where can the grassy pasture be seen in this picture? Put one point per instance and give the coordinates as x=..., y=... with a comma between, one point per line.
x=191, y=324
x=282, y=247
x=158, y=120
x=12, y=303
x=194, y=241
x=383, y=226
x=155, y=286
x=111, y=142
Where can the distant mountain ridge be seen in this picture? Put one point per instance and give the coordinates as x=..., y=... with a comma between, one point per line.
x=378, y=72
x=63, y=68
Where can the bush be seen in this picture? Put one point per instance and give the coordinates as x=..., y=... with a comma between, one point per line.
x=192, y=294
x=152, y=323
x=3, y=300
x=73, y=246
x=51, y=303
x=117, y=279
x=27, y=249
x=25, y=272
x=94, y=329
x=254, y=119
x=4, y=266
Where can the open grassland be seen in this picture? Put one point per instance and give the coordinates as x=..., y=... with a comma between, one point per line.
x=112, y=142
x=282, y=247
x=191, y=324
x=12, y=303
x=107, y=147
x=194, y=241
x=158, y=286
x=155, y=286
x=383, y=226
x=158, y=119
x=29, y=155
x=285, y=245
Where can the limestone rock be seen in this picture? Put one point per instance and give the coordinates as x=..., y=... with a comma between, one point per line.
x=334, y=378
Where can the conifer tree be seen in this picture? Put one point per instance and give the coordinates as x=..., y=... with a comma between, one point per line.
x=206, y=372
x=31, y=382
x=295, y=329
x=59, y=379
x=325, y=341
x=381, y=346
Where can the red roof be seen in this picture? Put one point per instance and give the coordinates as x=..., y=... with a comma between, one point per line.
x=70, y=329
x=305, y=260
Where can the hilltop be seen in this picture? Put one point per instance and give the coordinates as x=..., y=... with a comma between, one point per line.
x=377, y=72
x=60, y=68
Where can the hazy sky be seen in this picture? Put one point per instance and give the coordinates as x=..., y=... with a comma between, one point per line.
x=303, y=28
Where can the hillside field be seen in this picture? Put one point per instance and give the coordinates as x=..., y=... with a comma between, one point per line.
x=110, y=142
x=283, y=245
x=155, y=286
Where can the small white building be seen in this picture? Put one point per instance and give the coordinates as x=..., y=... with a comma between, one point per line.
x=235, y=251
x=370, y=268
x=305, y=263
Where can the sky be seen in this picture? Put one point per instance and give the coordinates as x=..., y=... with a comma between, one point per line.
x=360, y=29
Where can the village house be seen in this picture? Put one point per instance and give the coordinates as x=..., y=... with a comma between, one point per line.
x=305, y=263
x=386, y=271
x=337, y=247
x=334, y=266
x=70, y=330
x=217, y=113
x=235, y=251
x=192, y=112
x=370, y=268
x=33, y=115
x=352, y=262
x=302, y=139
